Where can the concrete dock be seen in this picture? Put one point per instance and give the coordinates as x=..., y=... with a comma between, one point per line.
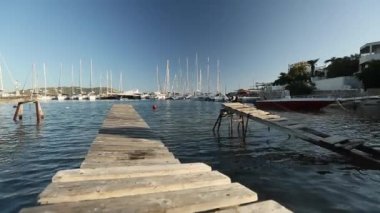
x=129, y=169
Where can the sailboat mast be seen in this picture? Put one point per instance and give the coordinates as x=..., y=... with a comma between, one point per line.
x=200, y=80
x=167, y=77
x=187, y=74
x=100, y=85
x=158, y=81
x=1, y=81
x=44, y=67
x=107, y=83
x=121, y=82
x=111, y=81
x=34, y=79
x=60, y=76
x=91, y=76
x=72, y=79
x=217, y=77
x=180, y=80
x=36, y=82
x=208, y=75
x=80, y=76
x=197, y=70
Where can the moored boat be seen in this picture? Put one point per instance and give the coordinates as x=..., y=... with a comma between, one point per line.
x=295, y=104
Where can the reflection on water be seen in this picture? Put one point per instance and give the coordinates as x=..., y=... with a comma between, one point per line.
x=301, y=176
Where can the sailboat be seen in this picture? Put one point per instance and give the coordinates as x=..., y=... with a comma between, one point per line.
x=44, y=97
x=219, y=97
x=72, y=96
x=91, y=95
x=79, y=97
x=158, y=95
x=60, y=96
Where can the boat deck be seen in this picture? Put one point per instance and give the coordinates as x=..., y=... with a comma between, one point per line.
x=129, y=169
x=356, y=149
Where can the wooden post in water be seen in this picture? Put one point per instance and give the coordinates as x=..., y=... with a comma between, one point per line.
x=39, y=113
x=19, y=111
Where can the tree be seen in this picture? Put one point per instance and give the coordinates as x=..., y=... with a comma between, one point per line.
x=283, y=79
x=345, y=66
x=370, y=76
x=297, y=80
x=312, y=65
x=298, y=72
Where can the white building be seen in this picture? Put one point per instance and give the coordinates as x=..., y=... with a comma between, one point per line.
x=338, y=83
x=369, y=52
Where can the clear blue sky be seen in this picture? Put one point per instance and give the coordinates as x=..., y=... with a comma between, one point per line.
x=254, y=40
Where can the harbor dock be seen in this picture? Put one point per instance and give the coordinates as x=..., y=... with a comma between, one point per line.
x=129, y=169
x=356, y=149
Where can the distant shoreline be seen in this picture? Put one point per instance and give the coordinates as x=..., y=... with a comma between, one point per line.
x=12, y=100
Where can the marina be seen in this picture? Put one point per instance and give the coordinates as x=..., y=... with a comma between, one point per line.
x=190, y=106
x=268, y=163
x=123, y=170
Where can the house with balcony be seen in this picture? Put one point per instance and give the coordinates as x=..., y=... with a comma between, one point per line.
x=369, y=52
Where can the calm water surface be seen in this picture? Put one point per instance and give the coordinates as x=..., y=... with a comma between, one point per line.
x=301, y=176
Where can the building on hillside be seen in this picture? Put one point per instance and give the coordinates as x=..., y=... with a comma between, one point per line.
x=369, y=52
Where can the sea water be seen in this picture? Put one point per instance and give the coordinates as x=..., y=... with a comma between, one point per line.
x=299, y=175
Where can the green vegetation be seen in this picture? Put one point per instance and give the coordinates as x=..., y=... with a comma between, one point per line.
x=345, y=66
x=297, y=80
x=312, y=65
x=370, y=76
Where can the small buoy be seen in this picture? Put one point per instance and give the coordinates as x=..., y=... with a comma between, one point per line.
x=14, y=106
x=154, y=107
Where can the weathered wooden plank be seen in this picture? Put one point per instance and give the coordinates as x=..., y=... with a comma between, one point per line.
x=102, y=189
x=133, y=132
x=123, y=123
x=128, y=172
x=106, y=147
x=125, y=157
x=335, y=139
x=128, y=154
x=350, y=145
x=128, y=143
x=306, y=136
x=122, y=138
x=263, y=206
x=92, y=164
x=189, y=200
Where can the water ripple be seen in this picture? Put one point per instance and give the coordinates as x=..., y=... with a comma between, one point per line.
x=303, y=177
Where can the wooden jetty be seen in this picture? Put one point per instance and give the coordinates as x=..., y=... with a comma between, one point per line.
x=128, y=169
x=356, y=149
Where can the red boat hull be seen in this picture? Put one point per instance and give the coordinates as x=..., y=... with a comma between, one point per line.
x=294, y=105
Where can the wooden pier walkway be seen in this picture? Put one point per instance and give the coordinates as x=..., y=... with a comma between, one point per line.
x=356, y=149
x=128, y=169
